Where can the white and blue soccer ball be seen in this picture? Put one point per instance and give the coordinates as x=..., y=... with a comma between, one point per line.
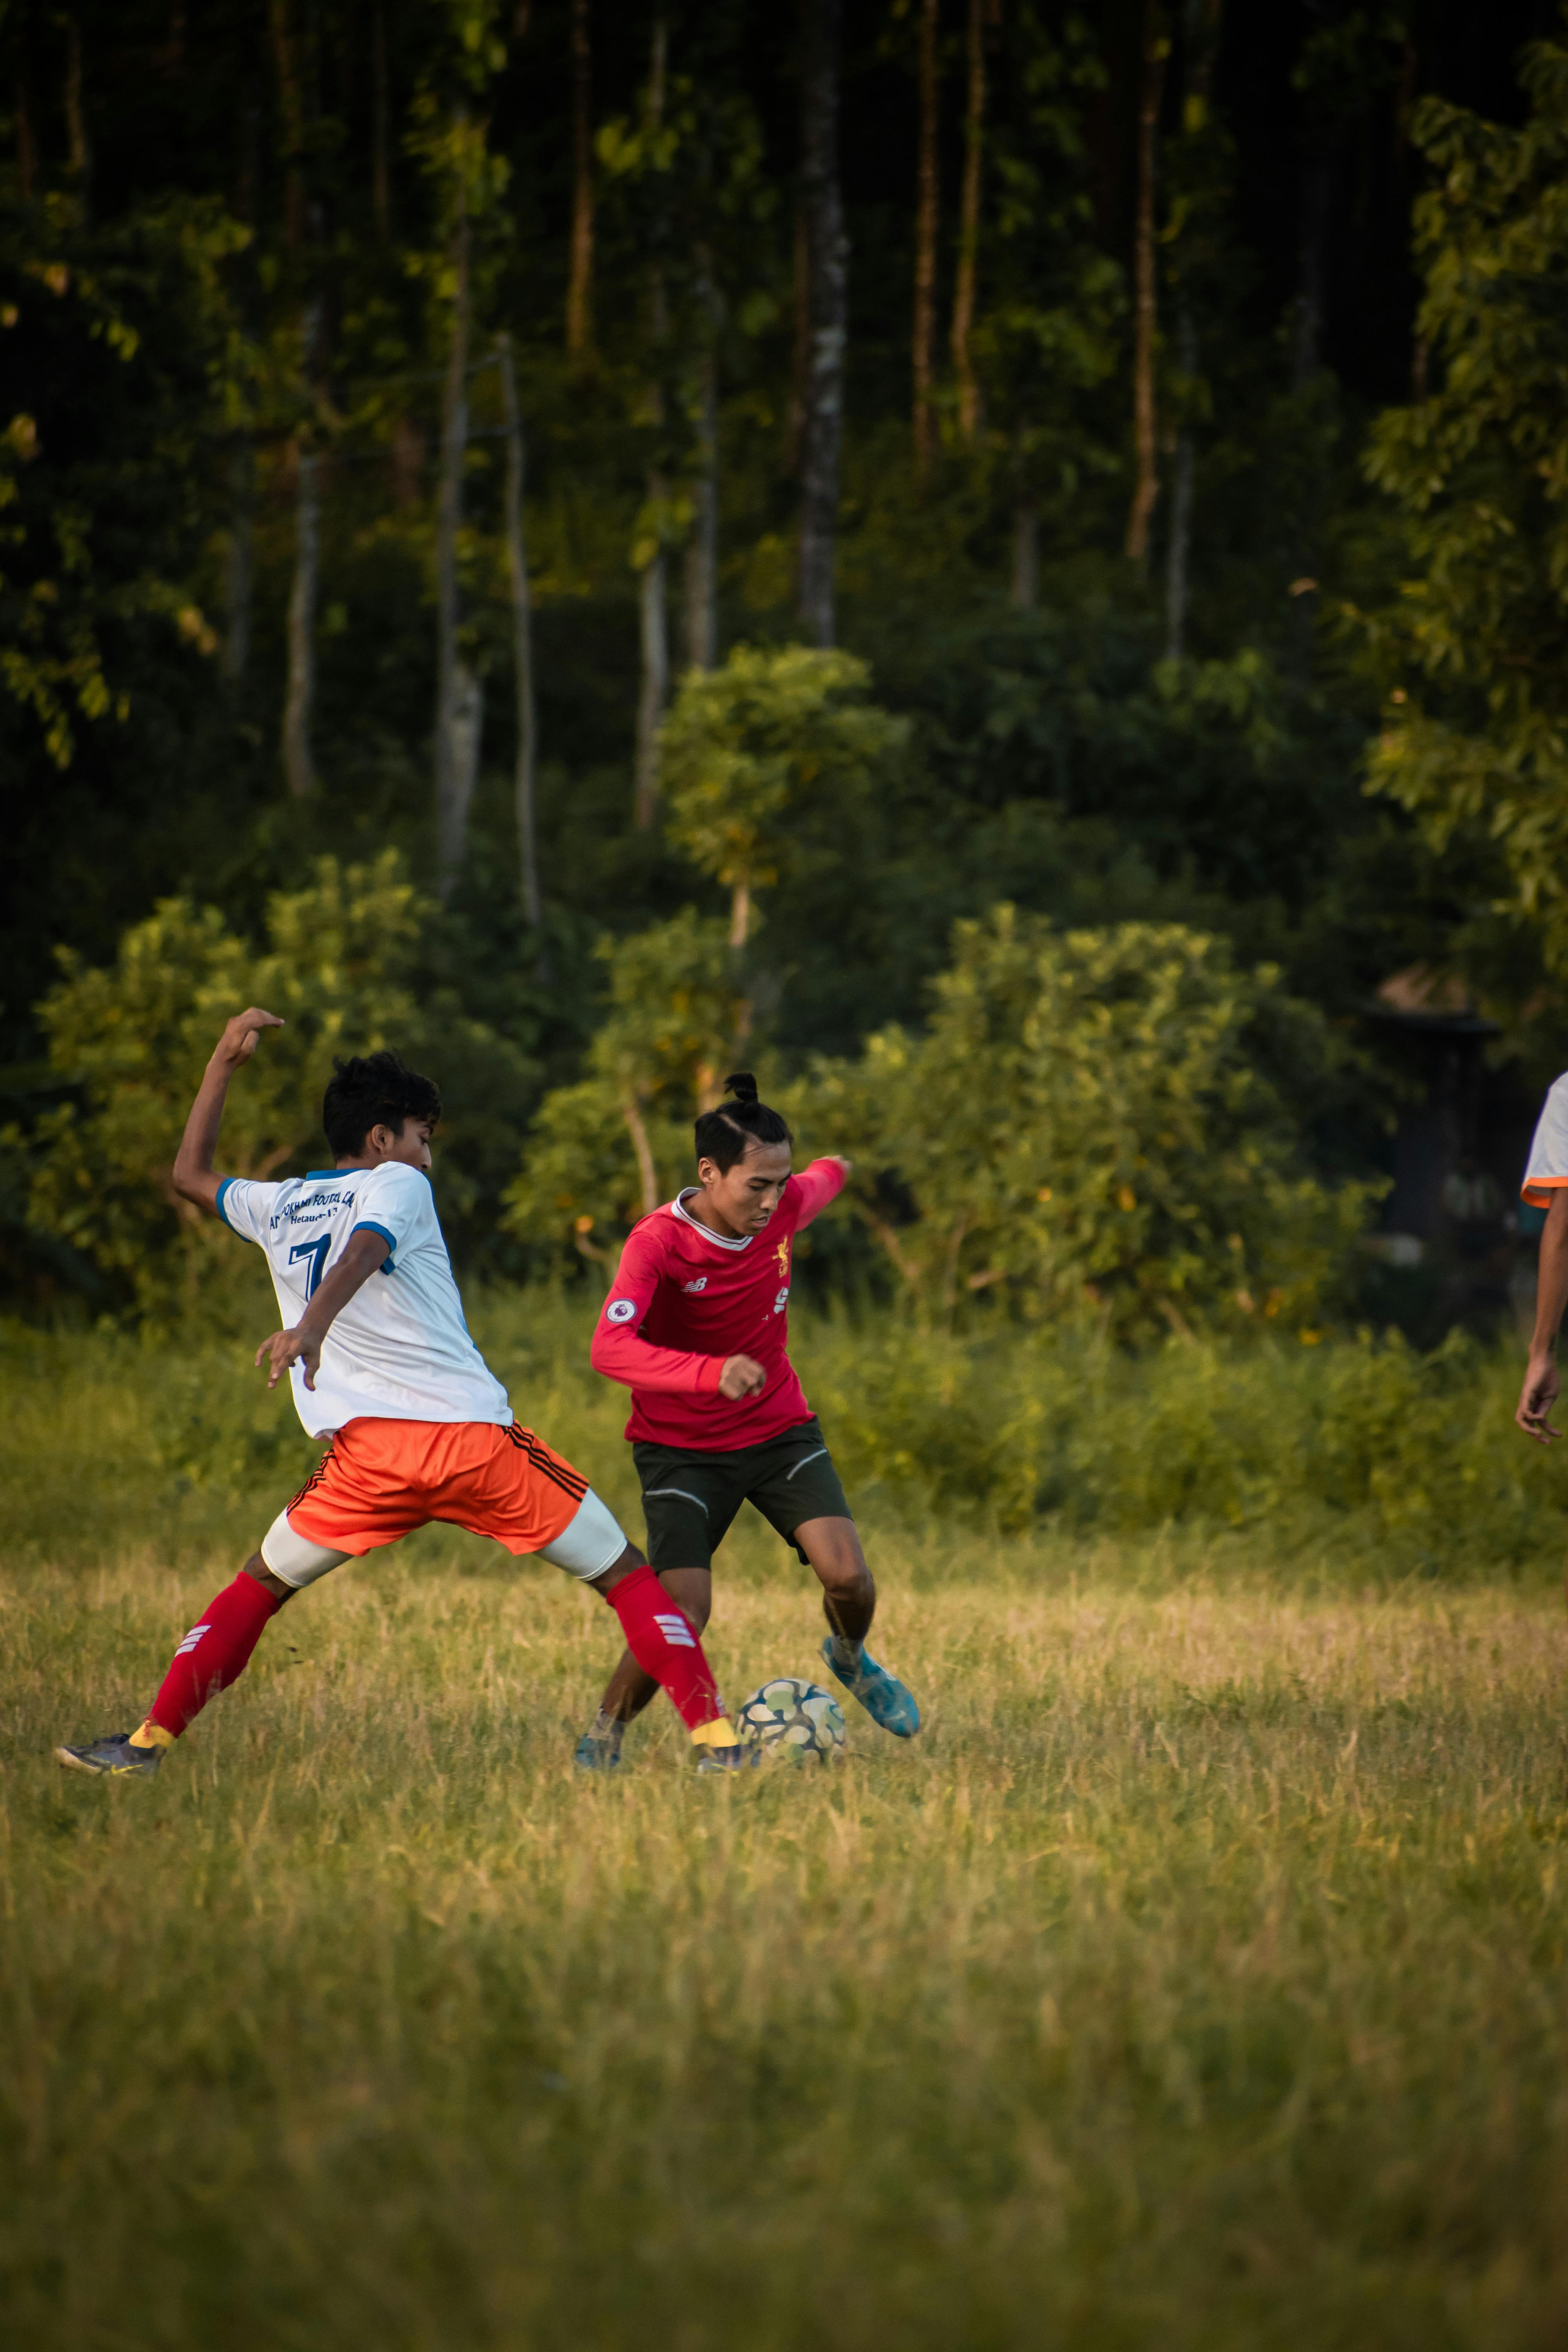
x=793, y=1722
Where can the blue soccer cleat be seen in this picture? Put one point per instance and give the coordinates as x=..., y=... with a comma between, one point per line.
x=594, y=1754
x=889, y=1703
x=115, y=1756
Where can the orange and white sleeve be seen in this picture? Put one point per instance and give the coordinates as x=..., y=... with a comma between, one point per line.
x=1546, y=1171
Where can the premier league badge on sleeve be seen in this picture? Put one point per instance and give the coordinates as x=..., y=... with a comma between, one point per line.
x=620, y=1310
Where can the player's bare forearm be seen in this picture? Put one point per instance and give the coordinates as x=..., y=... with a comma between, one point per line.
x=195, y=1178
x=1539, y=1394
x=1552, y=1281
x=359, y=1260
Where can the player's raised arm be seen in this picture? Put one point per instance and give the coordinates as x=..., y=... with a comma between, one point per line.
x=821, y=1182
x=195, y=1178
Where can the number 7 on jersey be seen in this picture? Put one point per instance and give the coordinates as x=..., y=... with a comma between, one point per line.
x=316, y=1252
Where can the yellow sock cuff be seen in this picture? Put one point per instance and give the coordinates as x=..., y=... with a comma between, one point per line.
x=719, y=1733
x=152, y=1735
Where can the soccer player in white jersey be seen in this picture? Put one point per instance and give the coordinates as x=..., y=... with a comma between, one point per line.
x=1546, y=1187
x=418, y=1428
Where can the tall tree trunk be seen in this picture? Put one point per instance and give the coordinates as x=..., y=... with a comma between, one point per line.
x=26, y=144
x=969, y=227
x=381, y=126
x=298, y=703
x=522, y=646
x=1147, y=485
x=1306, y=359
x=654, y=688
x=1178, y=551
x=239, y=568
x=827, y=275
x=76, y=116
x=580, y=283
x=1317, y=189
x=927, y=211
x=247, y=178
x=702, y=547
x=1200, y=42
x=631, y=1111
x=1026, y=584
x=653, y=606
x=800, y=352
x=291, y=108
x=459, y=707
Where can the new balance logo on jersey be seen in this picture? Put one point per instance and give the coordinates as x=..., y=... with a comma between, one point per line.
x=700, y=1283
x=782, y=1301
x=191, y=1638
x=676, y=1632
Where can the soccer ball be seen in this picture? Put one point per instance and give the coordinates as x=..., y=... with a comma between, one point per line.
x=793, y=1721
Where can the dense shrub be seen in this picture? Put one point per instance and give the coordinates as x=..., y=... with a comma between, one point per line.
x=1358, y=1458
x=1408, y=1460
x=1094, y=1120
x=133, y=1040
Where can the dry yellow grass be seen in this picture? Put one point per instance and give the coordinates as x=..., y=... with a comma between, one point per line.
x=1196, y=1980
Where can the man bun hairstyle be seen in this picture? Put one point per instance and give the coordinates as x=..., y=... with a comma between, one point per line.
x=723, y=1136
x=373, y=1090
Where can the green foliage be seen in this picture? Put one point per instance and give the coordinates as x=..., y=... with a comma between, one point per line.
x=178, y=332
x=1475, y=733
x=743, y=743
x=1357, y=1461
x=607, y=1150
x=1086, y=1121
x=134, y=1039
x=95, y=540
x=1050, y=335
x=1359, y=1449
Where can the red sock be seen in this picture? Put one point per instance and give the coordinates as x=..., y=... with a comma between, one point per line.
x=214, y=1654
x=663, y=1641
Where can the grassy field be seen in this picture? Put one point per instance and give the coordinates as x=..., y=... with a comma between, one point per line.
x=1196, y=1980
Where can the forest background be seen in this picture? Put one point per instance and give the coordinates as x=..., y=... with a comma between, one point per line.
x=998, y=562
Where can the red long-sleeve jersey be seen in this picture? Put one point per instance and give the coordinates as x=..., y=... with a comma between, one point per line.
x=684, y=1300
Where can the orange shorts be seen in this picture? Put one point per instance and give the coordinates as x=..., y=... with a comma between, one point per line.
x=379, y=1480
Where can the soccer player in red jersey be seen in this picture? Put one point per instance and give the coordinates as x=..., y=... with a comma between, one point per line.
x=417, y=1426
x=696, y=1325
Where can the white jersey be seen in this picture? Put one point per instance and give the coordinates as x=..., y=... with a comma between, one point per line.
x=400, y=1349
x=1546, y=1171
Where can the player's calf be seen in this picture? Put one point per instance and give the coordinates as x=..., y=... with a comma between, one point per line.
x=667, y=1645
x=849, y=1604
x=848, y=1588
x=214, y=1654
x=630, y=1689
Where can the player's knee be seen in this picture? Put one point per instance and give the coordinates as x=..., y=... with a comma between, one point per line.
x=693, y=1594
x=257, y=1567
x=604, y=1584
x=834, y=1551
x=847, y=1584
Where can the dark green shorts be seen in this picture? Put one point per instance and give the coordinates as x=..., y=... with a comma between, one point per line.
x=689, y=1499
